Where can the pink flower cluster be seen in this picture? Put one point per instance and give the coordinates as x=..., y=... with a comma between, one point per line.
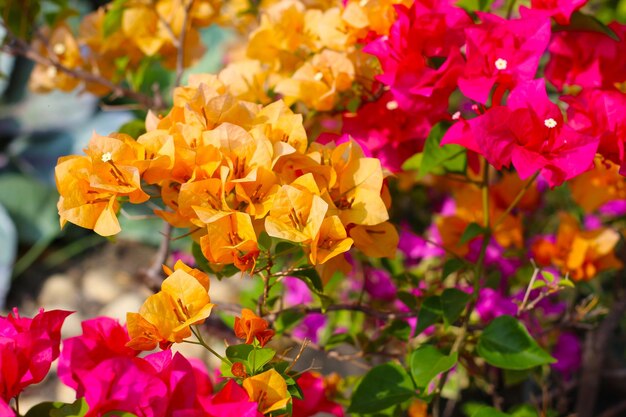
x=509, y=118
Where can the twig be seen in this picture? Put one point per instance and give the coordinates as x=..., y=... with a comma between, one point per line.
x=533, y=278
x=153, y=275
x=380, y=315
x=16, y=46
x=180, y=58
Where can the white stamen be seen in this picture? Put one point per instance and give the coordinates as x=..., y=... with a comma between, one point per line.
x=59, y=49
x=456, y=116
x=384, y=38
x=501, y=64
x=550, y=123
x=391, y=105
x=106, y=157
x=363, y=3
x=51, y=72
x=318, y=76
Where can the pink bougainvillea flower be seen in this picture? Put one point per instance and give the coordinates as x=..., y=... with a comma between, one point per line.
x=502, y=52
x=420, y=58
x=560, y=10
x=388, y=132
x=298, y=293
x=529, y=133
x=27, y=349
x=568, y=354
x=232, y=400
x=599, y=113
x=492, y=304
x=316, y=393
x=103, y=338
x=587, y=59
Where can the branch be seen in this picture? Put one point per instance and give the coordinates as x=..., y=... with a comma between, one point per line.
x=16, y=46
x=152, y=276
x=380, y=315
x=180, y=58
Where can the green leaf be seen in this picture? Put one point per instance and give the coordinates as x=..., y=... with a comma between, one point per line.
x=580, y=22
x=548, y=276
x=538, y=284
x=238, y=353
x=435, y=156
x=408, y=299
x=453, y=302
x=201, y=262
x=487, y=411
x=264, y=241
x=413, y=163
x=427, y=362
x=399, y=329
x=506, y=344
x=451, y=266
x=567, y=283
x=471, y=231
x=113, y=18
x=311, y=278
x=382, y=387
x=58, y=409
x=134, y=128
x=338, y=339
x=429, y=314
x=257, y=358
x=287, y=319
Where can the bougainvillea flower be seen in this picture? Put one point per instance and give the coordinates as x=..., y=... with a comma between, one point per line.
x=378, y=241
x=579, y=254
x=492, y=304
x=316, y=395
x=78, y=203
x=599, y=186
x=269, y=390
x=297, y=212
x=165, y=317
x=531, y=134
x=27, y=349
x=421, y=35
x=231, y=400
x=568, y=353
x=389, y=133
x=502, y=52
x=230, y=238
x=587, y=59
x=102, y=338
x=250, y=326
x=331, y=240
x=560, y=10
x=598, y=113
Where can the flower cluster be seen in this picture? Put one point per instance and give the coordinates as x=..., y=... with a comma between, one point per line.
x=109, y=43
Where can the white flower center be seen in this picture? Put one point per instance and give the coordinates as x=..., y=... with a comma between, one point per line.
x=550, y=123
x=106, y=157
x=501, y=64
x=51, y=72
x=456, y=116
x=318, y=76
x=58, y=49
x=392, y=105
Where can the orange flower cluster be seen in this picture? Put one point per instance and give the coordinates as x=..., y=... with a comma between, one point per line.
x=111, y=41
x=166, y=317
x=229, y=170
x=308, y=51
x=250, y=326
x=581, y=254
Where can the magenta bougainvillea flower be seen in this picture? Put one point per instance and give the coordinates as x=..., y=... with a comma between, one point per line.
x=492, y=303
x=103, y=338
x=232, y=400
x=27, y=348
x=599, y=113
x=530, y=133
x=388, y=132
x=587, y=59
x=315, y=397
x=503, y=53
x=560, y=10
x=420, y=57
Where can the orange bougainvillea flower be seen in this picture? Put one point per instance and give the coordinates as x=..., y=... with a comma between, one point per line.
x=250, y=326
x=579, y=254
x=166, y=316
x=269, y=390
x=331, y=240
x=378, y=241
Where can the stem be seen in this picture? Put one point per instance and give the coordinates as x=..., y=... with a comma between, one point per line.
x=180, y=58
x=32, y=254
x=516, y=200
x=201, y=342
x=528, y=289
